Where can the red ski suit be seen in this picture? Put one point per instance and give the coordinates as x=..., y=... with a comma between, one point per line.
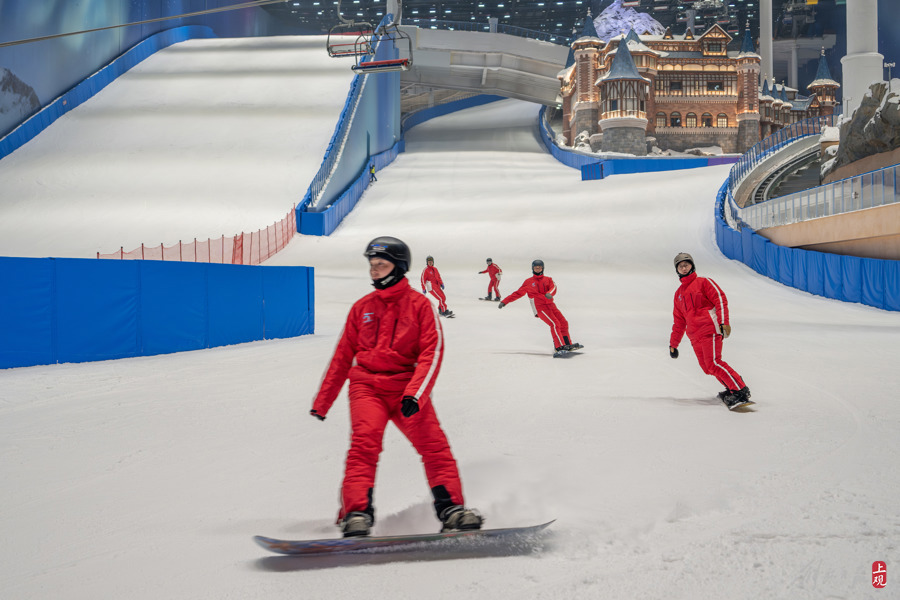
x=701, y=308
x=432, y=282
x=392, y=346
x=537, y=287
x=494, y=284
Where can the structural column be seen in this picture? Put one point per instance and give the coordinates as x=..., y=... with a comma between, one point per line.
x=767, y=70
x=863, y=64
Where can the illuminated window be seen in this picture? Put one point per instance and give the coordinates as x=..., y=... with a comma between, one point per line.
x=722, y=120
x=661, y=119
x=690, y=120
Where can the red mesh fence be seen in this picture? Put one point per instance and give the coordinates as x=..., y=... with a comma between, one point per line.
x=242, y=249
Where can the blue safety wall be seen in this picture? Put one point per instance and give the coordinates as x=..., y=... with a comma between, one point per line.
x=593, y=168
x=86, y=89
x=51, y=67
x=849, y=278
x=621, y=166
x=55, y=310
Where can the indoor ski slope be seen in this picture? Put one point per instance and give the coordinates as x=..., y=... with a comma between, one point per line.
x=146, y=478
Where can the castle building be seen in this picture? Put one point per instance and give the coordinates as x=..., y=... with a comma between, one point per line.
x=684, y=91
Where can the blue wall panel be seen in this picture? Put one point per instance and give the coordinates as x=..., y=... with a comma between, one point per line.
x=851, y=283
x=759, y=254
x=164, y=285
x=873, y=282
x=26, y=317
x=97, y=312
x=833, y=277
x=74, y=310
x=772, y=261
x=892, y=285
x=785, y=264
x=815, y=273
x=235, y=304
x=800, y=269
x=747, y=247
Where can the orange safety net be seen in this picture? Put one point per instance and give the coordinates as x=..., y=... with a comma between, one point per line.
x=242, y=249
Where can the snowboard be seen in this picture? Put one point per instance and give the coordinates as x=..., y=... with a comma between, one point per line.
x=737, y=407
x=395, y=542
x=490, y=299
x=567, y=354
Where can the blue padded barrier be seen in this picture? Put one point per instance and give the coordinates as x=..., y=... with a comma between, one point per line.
x=869, y=281
x=892, y=285
x=785, y=264
x=772, y=261
x=76, y=310
x=832, y=276
x=873, y=282
x=426, y=114
x=851, y=283
x=747, y=247
x=758, y=263
x=815, y=273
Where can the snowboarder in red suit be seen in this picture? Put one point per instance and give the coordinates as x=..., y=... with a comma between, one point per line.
x=541, y=290
x=391, y=350
x=432, y=282
x=701, y=309
x=495, y=273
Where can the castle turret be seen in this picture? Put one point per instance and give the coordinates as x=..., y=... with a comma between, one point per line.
x=748, y=110
x=824, y=87
x=623, y=105
x=585, y=104
x=646, y=61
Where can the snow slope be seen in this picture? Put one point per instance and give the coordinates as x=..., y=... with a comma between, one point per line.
x=146, y=478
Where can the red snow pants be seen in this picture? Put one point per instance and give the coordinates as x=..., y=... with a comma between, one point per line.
x=370, y=410
x=494, y=285
x=559, y=327
x=708, y=348
x=438, y=293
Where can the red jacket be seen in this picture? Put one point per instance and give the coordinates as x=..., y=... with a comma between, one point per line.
x=700, y=308
x=392, y=340
x=433, y=275
x=492, y=270
x=536, y=286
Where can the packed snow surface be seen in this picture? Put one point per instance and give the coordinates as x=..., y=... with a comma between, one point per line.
x=146, y=478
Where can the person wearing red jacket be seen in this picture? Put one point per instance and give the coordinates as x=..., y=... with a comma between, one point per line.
x=391, y=350
x=701, y=310
x=432, y=282
x=541, y=290
x=494, y=272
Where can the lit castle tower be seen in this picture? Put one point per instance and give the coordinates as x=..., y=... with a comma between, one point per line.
x=824, y=87
x=586, y=103
x=748, y=109
x=623, y=105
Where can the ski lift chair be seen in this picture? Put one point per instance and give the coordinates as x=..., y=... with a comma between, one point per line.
x=360, y=33
x=391, y=34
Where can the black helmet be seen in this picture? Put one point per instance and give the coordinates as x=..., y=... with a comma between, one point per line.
x=427, y=258
x=680, y=258
x=390, y=248
x=537, y=263
x=489, y=261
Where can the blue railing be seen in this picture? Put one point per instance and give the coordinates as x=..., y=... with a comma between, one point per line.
x=776, y=141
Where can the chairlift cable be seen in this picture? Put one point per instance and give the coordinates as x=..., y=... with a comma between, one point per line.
x=243, y=5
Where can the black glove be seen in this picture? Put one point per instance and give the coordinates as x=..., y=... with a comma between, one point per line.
x=501, y=305
x=673, y=352
x=410, y=406
x=316, y=414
